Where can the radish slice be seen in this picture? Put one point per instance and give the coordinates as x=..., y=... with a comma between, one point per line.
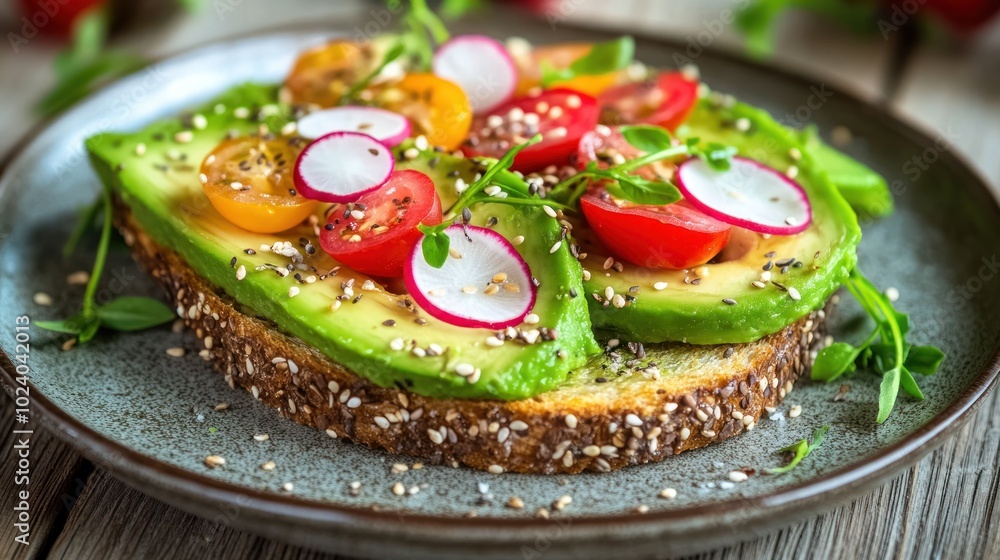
x=488, y=287
x=385, y=126
x=750, y=195
x=481, y=66
x=342, y=166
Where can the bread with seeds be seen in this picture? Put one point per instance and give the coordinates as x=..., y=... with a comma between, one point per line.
x=593, y=422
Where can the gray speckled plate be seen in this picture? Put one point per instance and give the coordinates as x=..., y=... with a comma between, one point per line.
x=149, y=418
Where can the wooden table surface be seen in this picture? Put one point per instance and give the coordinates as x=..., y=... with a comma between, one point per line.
x=944, y=507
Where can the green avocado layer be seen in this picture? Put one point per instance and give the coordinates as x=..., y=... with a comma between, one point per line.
x=718, y=303
x=162, y=189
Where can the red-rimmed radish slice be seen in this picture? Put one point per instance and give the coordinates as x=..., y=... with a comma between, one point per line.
x=385, y=126
x=488, y=287
x=342, y=166
x=750, y=195
x=481, y=66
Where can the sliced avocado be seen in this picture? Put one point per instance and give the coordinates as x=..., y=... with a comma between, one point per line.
x=864, y=189
x=162, y=189
x=723, y=306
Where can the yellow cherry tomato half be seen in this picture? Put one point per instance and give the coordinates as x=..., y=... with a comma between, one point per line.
x=561, y=56
x=437, y=108
x=249, y=181
x=323, y=74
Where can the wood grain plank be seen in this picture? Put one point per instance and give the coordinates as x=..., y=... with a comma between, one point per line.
x=112, y=521
x=56, y=476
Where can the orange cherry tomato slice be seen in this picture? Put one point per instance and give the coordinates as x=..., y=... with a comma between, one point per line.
x=437, y=108
x=249, y=181
x=560, y=57
x=323, y=74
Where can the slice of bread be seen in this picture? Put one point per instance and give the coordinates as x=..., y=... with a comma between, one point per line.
x=604, y=417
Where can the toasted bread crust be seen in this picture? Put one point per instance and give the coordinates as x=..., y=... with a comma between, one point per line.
x=557, y=432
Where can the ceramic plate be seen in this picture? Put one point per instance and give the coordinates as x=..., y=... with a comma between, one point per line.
x=149, y=417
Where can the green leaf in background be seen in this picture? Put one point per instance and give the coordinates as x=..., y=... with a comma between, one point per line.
x=454, y=9
x=90, y=32
x=602, y=58
x=435, y=244
x=606, y=57
x=758, y=19
x=83, y=79
x=132, y=313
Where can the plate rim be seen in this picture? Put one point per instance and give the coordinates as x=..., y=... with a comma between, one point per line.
x=165, y=478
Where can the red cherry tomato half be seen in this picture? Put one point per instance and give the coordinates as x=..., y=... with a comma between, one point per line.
x=666, y=101
x=562, y=116
x=674, y=236
x=378, y=242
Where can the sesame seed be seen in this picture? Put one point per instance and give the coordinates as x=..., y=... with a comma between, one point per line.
x=660, y=286
x=183, y=137
x=765, y=276
x=199, y=122
x=175, y=352
x=549, y=211
x=561, y=503
x=515, y=503
x=494, y=341
x=288, y=487
x=293, y=291
x=353, y=402
x=381, y=422
x=729, y=301
x=241, y=272
x=465, y=369
x=518, y=240
x=499, y=277
x=592, y=451
x=213, y=461
x=685, y=434
x=555, y=246
x=758, y=284
x=518, y=426
x=495, y=469
x=571, y=421
x=633, y=420
x=398, y=489
x=268, y=466
x=743, y=124
x=140, y=149
x=738, y=476
x=586, y=275
x=892, y=294
x=411, y=153
x=795, y=411
x=42, y=298
x=435, y=436
x=618, y=301
x=532, y=319
x=78, y=278
x=794, y=294
x=668, y=493
x=261, y=437
x=642, y=509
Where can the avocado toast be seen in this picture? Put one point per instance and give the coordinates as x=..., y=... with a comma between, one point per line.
x=355, y=355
